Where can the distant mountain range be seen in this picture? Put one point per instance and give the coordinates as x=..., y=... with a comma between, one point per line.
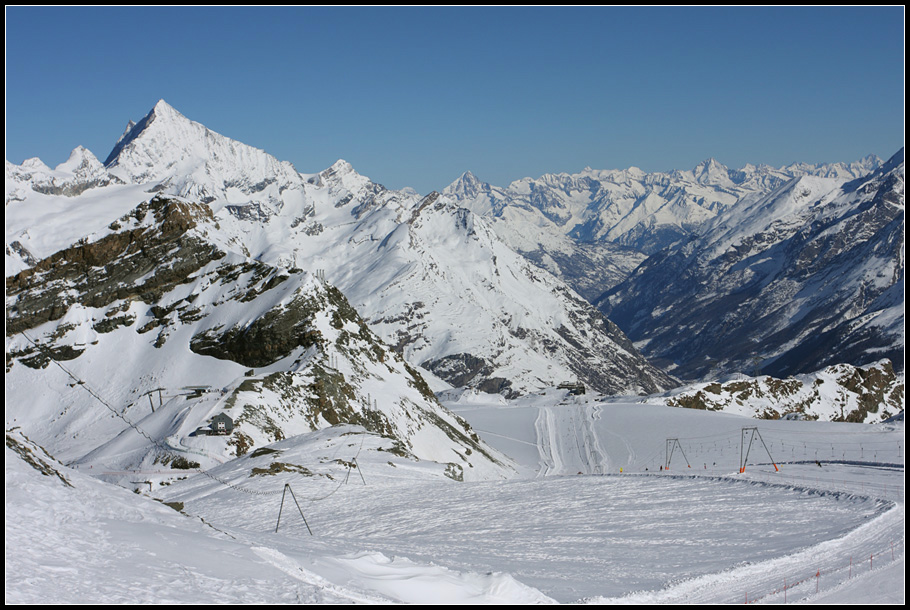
x=713, y=270
x=810, y=275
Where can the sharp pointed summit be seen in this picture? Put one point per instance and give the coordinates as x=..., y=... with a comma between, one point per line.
x=133, y=129
x=467, y=186
x=184, y=158
x=162, y=108
x=711, y=171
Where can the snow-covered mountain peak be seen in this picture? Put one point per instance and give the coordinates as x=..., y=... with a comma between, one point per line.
x=134, y=130
x=164, y=110
x=129, y=127
x=711, y=171
x=341, y=177
x=34, y=164
x=80, y=172
x=184, y=158
x=81, y=159
x=340, y=168
x=342, y=173
x=467, y=185
x=474, y=194
x=872, y=160
x=467, y=178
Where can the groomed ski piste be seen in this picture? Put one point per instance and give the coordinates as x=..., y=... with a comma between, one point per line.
x=615, y=501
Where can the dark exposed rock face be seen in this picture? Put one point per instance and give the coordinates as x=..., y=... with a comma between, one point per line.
x=268, y=339
x=467, y=370
x=458, y=369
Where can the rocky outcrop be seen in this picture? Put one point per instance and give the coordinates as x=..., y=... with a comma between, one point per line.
x=840, y=392
x=146, y=254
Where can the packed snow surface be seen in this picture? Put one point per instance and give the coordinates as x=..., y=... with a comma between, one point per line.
x=595, y=516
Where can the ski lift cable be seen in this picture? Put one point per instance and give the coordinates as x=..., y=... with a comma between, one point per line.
x=156, y=443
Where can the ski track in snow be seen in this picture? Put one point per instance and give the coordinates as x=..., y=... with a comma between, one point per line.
x=568, y=441
x=545, y=442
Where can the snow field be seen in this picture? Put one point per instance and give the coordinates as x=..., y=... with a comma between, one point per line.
x=406, y=533
x=630, y=537
x=868, y=462
x=579, y=537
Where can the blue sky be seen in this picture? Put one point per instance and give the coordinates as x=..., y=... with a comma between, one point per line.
x=416, y=96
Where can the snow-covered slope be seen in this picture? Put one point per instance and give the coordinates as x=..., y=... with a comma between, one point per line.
x=810, y=275
x=73, y=539
x=428, y=275
x=151, y=307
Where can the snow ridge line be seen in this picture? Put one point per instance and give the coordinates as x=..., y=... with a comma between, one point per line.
x=292, y=568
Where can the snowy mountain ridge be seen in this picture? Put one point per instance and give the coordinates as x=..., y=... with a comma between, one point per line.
x=423, y=271
x=633, y=208
x=592, y=228
x=188, y=160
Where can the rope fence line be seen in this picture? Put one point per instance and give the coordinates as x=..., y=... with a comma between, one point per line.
x=878, y=490
x=850, y=570
x=863, y=449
